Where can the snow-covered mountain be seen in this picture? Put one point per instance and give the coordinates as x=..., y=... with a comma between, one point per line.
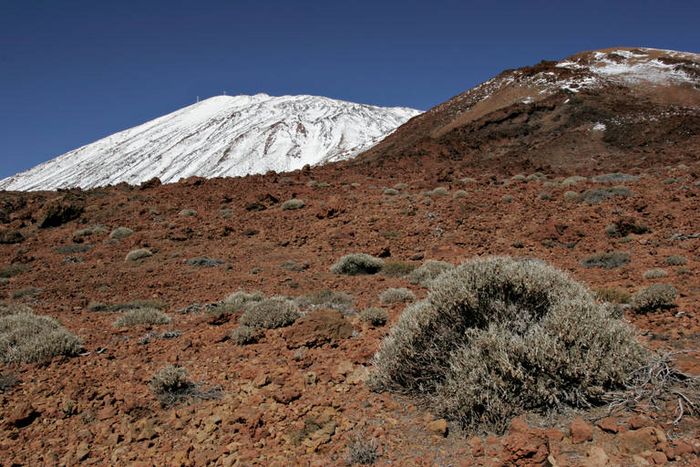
x=221, y=136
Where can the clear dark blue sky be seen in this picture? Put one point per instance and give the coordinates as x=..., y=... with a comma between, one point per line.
x=73, y=71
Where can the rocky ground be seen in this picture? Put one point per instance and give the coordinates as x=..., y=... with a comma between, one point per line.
x=298, y=396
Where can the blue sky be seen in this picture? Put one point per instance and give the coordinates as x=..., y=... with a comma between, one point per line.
x=73, y=71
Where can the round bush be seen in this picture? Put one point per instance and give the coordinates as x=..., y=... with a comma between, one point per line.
x=29, y=338
x=374, y=316
x=428, y=271
x=400, y=295
x=292, y=204
x=657, y=296
x=138, y=254
x=357, y=263
x=245, y=335
x=275, y=312
x=497, y=337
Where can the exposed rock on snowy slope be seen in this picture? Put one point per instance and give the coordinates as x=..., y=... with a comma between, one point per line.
x=221, y=136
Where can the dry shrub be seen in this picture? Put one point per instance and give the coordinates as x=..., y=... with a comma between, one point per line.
x=400, y=295
x=374, y=316
x=654, y=297
x=362, y=450
x=676, y=260
x=7, y=309
x=498, y=337
x=171, y=386
x=397, y=268
x=613, y=295
x=138, y=254
x=607, y=260
x=270, y=313
x=428, y=271
x=142, y=316
x=245, y=335
x=120, y=233
x=132, y=305
x=240, y=300
x=357, y=263
x=329, y=299
x=655, y=273
x=29, y=338
x=292, y=204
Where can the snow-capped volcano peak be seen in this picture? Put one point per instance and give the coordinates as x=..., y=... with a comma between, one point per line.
x=221, y=136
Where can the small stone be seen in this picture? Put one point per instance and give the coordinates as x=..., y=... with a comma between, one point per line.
x=581, y=431
x=639, y=421
x=596, y=456
x=23, y=415
x=609, y=424
x=438, y=427
x=638, y=441
x=659, y=458
x=477, y=446
x=82, y=452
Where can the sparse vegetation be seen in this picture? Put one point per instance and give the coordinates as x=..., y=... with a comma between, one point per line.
x=29, y=338
x=80, y=235
x=654, y=297
x=459, y=194
x=676, y=260
x=390, y=192
x=339, y=301
x=292, y=204
x=374, y=316
x=613, y=295
x=187, y=213
x=270, y=313
x=362, y=451
x=616, y=177
x=357, y=263
x=240, y=300
x=400, y=295
x=498, y=336
x=138, y=254
x=598, y=195
x=397, y=268
x=73, y=249
x=204, y=262
x=655, y=273
x=624, y=227
x=428, y=271
x=571, y=196
x=27, y=292
x=573, y=180
x=7, y=382
x=438, y=191
x=12, y=270
x=132, y=305
x=293, y=266
x=121, y=233
x=245, y=335
x=170, y=385
x=142, y=316
x=607, y=260
x=506, y=199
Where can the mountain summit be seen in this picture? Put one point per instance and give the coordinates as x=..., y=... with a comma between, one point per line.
x=599, y=110
x=221, y=136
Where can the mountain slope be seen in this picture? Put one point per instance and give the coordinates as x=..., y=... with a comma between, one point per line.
x=221, y=136
x=598, y=110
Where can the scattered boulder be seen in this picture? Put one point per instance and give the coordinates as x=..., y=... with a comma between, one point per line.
x=317, y=328
x=59, y=211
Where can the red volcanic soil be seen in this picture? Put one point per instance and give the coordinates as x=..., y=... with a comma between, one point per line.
x=298, y=396
x=303, y=405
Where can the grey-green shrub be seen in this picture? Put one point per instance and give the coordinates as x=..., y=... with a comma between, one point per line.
x=607, y=260
x=138, y=254
x=293, y=203
x=498, y=337
x=80, y=235
x=13, y=308
x=187, y=213
x=120, y=233
x=240, y=300
x=270, y=313
x=26, y=292
x=29, y=338
x=571, y=196
x=397, y=268
x=506, y=199
x=374, y=316
x=357, y=263
x=12, y=270
x=390, y=192
x=339, y=301
x=655, y=273
x=142, y=316
x=428, y=271
x=459, y=194
x=573, y=180
x=245, y=335
x=676, y=260
x=398, y=295
x=170, y=384
x=654, y=297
